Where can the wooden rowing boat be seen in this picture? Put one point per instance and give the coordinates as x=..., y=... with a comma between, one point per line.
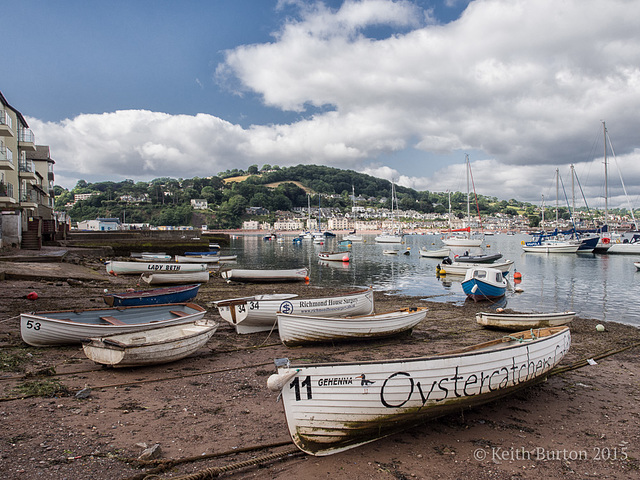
x=300, y=329
x=265, y=275
x=522, y=321
x=259, y=313
x=73, y=326
x=175, y=278
x=136, y=268
x=333, y=407
x=175, y=294
x=150, y=347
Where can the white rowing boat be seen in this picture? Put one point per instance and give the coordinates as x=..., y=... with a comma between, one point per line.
x=42, y=329
x=197, y=258
x=335, y=256
x=333, y=407
x=136, y=268
x=300, y=329
x=150, y=347
x=175, y=278
x=259, y=313
x=522, y=321
x=461, y=268
x=265, y=275
x=439, y=253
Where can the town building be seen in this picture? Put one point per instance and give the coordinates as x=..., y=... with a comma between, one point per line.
x=26, y=185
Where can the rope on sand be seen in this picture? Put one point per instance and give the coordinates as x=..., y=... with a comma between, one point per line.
x=585, y=362
x=163, y=465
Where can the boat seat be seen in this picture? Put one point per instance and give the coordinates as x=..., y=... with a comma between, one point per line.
x=179, y=313
x=112, y=320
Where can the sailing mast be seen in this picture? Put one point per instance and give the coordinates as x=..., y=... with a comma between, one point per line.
x=606, y=178
x=466, y=156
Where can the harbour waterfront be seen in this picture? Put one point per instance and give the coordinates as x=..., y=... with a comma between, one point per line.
x=598, y=286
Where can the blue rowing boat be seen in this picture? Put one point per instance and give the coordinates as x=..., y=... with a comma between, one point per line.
x=156, y=296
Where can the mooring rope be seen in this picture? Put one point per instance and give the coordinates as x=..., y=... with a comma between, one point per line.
x=213, y=472
x=162, y=465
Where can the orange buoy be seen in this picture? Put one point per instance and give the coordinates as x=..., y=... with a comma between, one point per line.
x=517, y=275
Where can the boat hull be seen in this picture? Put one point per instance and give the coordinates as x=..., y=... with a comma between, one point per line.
x=74, y=326
x=303, y=329
x=461, y=268
x=389, y=239
x=175, y=278
x=259, y=276
x=624, y=248
x=155, y=296
x=150, y=347
x=330, y=408
x=259, y=314
x=522, y=321
x=335, y=256
x=478, y=290
x=136, y=268
x=440, y=253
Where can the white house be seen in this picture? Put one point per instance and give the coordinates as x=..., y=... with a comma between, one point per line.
x=100, y=224
x=199, y=203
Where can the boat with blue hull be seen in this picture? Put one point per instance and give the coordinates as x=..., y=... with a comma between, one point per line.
x=484, y=283
x=156, y=296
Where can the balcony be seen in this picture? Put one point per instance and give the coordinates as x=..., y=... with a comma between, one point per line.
x=51, y=176
x=26, y=139
x=6, y=124
x=6, y=195
x=27, y=170
x=6, y=158
x=29, y=199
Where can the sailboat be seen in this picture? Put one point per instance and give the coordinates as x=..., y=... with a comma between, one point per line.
x=627, y=245
x=353, y=236
x=463, y=239
x=396, y=236
x=552, y=243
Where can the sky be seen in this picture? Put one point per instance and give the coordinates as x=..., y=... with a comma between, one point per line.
x=401, y=90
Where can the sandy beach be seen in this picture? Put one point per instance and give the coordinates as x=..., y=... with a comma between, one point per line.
x=212, y=413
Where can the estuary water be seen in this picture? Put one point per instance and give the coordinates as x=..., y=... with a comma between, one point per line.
x=599, y=286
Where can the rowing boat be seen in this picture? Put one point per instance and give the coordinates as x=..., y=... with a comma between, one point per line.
x=136, y=268
x=521, y=321
x=174, y=278
x=332, y=407
x=265, y=275
x=150, y=347
x=175, y=294
x=300, y=329
x=73, y=326
x=260, y=313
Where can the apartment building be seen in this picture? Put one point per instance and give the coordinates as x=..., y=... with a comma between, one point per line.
x=26, y=184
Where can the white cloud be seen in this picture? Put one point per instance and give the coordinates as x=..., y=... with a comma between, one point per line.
x=526, y=82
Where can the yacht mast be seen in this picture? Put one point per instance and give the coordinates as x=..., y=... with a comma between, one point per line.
x=466, y=156
x=606, y=179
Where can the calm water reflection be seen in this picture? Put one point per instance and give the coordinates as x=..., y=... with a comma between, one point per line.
x=595, y=286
